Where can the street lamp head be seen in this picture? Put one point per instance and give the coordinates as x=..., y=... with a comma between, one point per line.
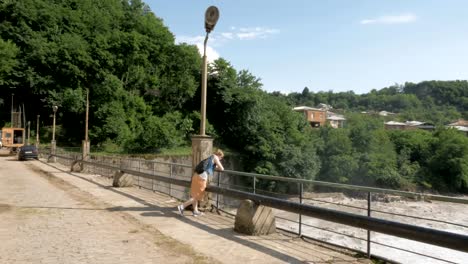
x=54, y=108
x=211, y=17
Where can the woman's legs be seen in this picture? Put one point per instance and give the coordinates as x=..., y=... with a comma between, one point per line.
x=188, y=202
x=197, y=189
x=193, y=202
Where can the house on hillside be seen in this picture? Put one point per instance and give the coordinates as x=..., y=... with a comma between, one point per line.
x=409, y=125
x=385, y=113
x=395, y=125
x=335, y=120
x=460, y=122
x=318, y=117
x=325, y=107
x=460, y=125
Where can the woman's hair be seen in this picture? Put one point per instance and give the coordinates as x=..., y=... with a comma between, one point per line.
x=219, y=153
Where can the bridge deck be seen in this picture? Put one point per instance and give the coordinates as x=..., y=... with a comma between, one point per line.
x=210, y=237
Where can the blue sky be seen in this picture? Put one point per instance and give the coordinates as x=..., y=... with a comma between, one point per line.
x=338, y=45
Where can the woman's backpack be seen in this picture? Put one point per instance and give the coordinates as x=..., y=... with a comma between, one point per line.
x=203, y=165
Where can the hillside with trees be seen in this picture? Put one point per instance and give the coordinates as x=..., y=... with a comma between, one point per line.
x=438, y=102
x=145, y=96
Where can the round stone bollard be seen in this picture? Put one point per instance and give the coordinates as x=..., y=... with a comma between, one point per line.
x=122, y=180
x=252, y=219
x=76, y=166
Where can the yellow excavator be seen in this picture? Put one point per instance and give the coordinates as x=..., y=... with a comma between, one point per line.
x=12, y=138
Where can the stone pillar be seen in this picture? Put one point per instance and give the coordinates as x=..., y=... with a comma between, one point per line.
x=86, y=149
x=53, y=149
x=202, y=148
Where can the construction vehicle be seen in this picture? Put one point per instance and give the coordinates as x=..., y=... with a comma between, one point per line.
x=12, y=138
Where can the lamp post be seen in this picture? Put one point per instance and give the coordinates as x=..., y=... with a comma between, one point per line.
x=211, y=17
x=53, y=143
x=29, y=132
x=37, y=132
x=202, y=145
x=86, y=144
x=87, y=114
x=12, y=109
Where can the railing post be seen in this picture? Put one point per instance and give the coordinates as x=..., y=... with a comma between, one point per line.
x=217, y=194
x=152, y=180
x=301, y=192
x=139, y=170
x=170, y=184
x=368, y=231
x=254, y=182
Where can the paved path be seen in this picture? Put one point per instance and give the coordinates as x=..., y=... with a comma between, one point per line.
x=48, y=215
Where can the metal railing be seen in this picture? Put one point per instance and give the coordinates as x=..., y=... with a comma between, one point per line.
x=369, y=194
x=412, y=232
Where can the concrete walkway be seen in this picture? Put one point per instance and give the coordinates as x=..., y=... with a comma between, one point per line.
x=142, y=222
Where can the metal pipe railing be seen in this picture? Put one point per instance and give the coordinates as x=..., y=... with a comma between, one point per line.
x=353, y=187
x=412, y=232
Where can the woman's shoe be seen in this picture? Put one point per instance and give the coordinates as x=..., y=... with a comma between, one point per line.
x=197, y=213
x=181, y=209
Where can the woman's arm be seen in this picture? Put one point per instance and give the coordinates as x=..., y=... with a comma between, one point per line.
x=219, y=166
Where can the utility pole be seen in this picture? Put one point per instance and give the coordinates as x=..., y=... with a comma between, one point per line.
x=87, y=114
x=86, y=144
x=53, y=143
x=37, y=132
x=12, y=109
x=29, y=132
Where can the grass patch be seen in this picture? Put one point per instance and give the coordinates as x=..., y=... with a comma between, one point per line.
x=179, y=151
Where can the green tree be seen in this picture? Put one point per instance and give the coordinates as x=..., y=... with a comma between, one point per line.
x=378, y=164
x=339, y=163
x=449, y=162
x=8, y=53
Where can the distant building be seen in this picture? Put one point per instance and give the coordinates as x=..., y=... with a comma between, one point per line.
x=460, y=125
x=325, y=107
x=318, y=117
x=335, y=120
x=385, y=113
x=409, y=125
x=395, y=125
x=460, y=122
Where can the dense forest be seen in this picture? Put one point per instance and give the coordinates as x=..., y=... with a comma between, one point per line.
x=145, y=96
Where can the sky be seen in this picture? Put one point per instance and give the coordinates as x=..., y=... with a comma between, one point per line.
x=329, y=45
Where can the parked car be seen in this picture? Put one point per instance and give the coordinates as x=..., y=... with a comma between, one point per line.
x=27, y=152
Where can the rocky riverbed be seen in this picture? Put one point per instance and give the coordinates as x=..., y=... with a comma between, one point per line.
x=450, y=217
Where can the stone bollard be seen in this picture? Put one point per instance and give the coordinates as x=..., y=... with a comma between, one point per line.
x=76, y=166
x=122, y=180
x=252, y=219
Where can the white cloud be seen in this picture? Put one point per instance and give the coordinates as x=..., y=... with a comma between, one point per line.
x=190, y=40
x=400, y=19
x=256, y=32
x=211, y=54
x=227, y=35
x=217, y=38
